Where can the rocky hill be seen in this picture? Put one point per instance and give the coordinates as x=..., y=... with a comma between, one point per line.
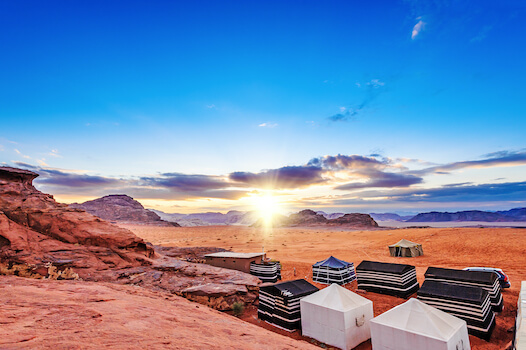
x=309, y=217
x=513, y=215
x=42, y=238
x=121, y=208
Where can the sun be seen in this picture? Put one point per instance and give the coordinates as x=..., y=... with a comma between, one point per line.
x=267, y=206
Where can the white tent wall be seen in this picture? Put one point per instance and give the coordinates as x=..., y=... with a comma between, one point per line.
x=356, y=333
x=336, y=320
x=323, y=324
x=416, y=325
x=388, y=338
x=520, y=324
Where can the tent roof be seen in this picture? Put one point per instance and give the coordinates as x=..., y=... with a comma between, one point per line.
x=337, y=298
x=452, y=291
x=292, y=288
x=383, y=267
x=487, y=277
x=404, y=243
x=417, y=317
x=333, y=262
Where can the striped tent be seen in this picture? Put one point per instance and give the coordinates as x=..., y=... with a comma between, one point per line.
x=333, y=270
x=266, y=272
x=472, y=304
x=385, y=278
x=279, y=304
x=489, y=281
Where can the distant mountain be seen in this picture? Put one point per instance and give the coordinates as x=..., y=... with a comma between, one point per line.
x=389, y=217
x=517, y=214
x=330, y=215
x=233, y=217
x=121, y=208
x=309, y=217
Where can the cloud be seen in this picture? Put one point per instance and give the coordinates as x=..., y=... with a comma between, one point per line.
x=509, y=191
x=373, y=89
x=1, y=148
x=418, y=28
x=268, y=125
x=282, y=178
x=54, y=153
x=185, y=182
x=383, y=179
x=212, y=106
x=482, y=34
x=496, y=159
x=22, y=155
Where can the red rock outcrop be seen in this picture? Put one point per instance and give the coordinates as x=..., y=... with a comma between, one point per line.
x=122, y=208
x=41, y=314
x=309, y=217
x=355, y=220
x=37, y=231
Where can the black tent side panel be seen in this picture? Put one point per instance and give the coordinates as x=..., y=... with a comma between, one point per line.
x=471, y=304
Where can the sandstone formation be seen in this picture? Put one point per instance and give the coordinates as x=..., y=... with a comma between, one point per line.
x=309, y=217
x=37, y=232
x=41, y=314
x=121, y=208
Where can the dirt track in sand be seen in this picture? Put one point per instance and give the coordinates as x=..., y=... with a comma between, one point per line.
x=299, y=248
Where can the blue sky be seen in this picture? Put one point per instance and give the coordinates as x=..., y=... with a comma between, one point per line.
x=399, y=106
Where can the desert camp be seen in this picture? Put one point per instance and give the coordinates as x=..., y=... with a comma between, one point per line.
x=405, y=248
x=336, y=316
x=333, y=270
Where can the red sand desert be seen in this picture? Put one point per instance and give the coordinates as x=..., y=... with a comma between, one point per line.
x=299, y=248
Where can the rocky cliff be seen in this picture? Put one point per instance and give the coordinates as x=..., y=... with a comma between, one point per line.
x=121, y=208
x=40, y=237
x=309, y=217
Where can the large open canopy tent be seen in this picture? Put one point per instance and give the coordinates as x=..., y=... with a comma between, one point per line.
x=279, y=304
x=415, y=325
x=333, y=270
x=472, y=304
x=386, y=278
x=405, y=248
x=266, y=271
x=336, y=316
x=489, y=281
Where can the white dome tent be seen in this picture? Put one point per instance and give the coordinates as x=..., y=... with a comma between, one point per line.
x=337, y=317
x=416, y=325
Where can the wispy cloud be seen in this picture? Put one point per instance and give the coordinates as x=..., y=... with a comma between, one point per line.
x=267, y=125
x=418, y=28
x=373, y=89
x=212, y=106
x=482, y=34
x=21, y=154
x=54, y=153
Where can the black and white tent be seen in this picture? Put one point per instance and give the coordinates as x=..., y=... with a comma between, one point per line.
x=472, y=304
x=393, y=279
x=267, y=271
x=489, y=281
x=279, y=304
x=333, y=270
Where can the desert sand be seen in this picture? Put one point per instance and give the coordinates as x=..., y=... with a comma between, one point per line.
x=299, y=248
